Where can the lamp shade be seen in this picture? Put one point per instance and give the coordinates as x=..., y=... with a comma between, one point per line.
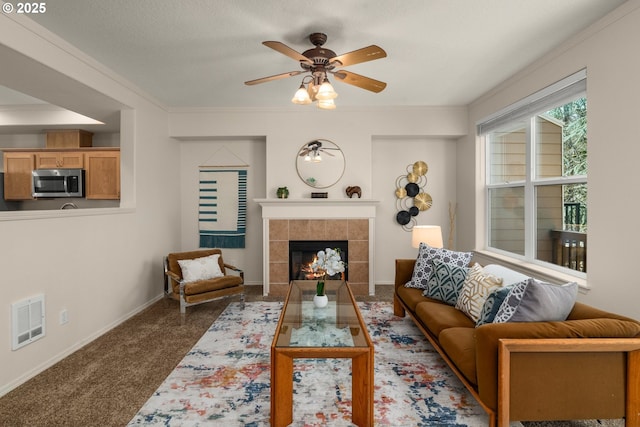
x=301, y=96
x=429, y=234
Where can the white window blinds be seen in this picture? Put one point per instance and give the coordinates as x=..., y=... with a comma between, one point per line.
x=559, y=93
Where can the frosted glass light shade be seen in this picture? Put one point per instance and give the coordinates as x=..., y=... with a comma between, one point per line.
x=429, y=234
x=301, y=96
x=326, y=91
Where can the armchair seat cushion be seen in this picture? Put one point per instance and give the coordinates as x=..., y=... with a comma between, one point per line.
x=215, y=284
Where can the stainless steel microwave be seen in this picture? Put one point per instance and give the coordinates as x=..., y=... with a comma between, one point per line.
x=58, y=183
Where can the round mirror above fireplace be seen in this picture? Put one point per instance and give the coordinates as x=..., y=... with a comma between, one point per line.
x=320, y=163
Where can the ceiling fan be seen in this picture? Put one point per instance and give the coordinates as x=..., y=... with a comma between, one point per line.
x=319, y=62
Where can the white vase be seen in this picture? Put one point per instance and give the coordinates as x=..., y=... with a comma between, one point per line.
x=320, y=301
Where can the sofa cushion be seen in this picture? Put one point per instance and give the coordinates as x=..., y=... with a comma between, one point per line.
x=446, y=282
x=477, y=287
x=460, y=346
x=492, y=304
x=424, y=263
x=410, y=296
x=437, y=316
x=537, y=301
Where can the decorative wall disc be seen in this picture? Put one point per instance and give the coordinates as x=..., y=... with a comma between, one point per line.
x=411, y=198
x=423, y=201
x=403, y=217
x=420, y=168
x=401, y=193
x=412, y=189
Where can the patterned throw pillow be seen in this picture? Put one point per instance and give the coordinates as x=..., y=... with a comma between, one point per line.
x=536, y=301
x=477, y=287
x=424, y=263
x=446, y=282
x=492, y=304
x=200, y=268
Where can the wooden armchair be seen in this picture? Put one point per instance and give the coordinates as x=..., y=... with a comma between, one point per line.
x=200, y=276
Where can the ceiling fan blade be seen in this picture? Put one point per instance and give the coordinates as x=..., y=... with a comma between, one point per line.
x=286, y=50
x=365, y=54
x=360, y=81
x=276, y=77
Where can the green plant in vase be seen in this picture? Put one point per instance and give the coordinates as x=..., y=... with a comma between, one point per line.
x=326, y=264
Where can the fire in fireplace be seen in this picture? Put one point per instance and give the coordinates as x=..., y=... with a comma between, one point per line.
x=303, y=252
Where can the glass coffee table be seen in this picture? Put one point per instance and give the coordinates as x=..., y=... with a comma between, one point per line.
x=306, y=332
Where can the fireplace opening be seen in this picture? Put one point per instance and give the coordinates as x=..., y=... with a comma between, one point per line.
x=303, y=252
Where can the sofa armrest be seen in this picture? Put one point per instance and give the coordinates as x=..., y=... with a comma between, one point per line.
x=487, y=339
x=236, y=269
x=515, y=347
x=404, y=271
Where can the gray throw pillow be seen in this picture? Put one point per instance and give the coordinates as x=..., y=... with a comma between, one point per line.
x=537, y=301
x=424, y=263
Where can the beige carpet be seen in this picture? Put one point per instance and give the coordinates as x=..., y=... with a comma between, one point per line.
x=106, y=382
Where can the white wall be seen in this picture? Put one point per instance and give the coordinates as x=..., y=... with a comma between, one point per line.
x=101, y=266
x=391, y=158
x=608, y=50
x=220, y=152
x=373, y=161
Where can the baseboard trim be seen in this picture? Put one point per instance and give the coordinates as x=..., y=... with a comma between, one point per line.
x=57, y=358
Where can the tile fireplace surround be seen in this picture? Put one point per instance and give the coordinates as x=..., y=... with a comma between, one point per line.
x=318, y=219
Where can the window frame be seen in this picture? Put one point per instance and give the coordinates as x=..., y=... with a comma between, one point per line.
x=567, y=90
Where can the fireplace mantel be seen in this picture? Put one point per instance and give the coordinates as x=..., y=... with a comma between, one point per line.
x=318, y=219
x=318, y=208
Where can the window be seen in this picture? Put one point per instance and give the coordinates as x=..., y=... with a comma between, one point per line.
x=536, y=177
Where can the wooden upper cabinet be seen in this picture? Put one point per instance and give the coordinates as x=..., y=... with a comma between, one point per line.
x=17, y=175
x=59, y=160
x=102, y=175
x=73, y=138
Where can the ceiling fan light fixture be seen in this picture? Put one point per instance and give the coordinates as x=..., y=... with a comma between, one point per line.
x=301, y=97
x=318, y=62
x=326, y=92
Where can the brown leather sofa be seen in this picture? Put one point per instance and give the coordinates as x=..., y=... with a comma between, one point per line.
x=586, y=367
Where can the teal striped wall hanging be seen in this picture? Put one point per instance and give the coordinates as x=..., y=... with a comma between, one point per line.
x=222, y=211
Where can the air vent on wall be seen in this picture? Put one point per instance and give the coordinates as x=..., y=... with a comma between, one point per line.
x=27, y=321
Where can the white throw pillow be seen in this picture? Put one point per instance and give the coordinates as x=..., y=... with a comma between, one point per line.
x=200, y=268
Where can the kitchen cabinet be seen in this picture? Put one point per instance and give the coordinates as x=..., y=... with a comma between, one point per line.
x=17, y=175
x=59, y=160
x=69, y=138
x=102, y=175
x=101, y=165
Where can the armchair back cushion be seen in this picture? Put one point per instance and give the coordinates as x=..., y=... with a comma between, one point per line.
x=175, y=267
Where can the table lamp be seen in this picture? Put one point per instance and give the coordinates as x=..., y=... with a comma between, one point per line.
x=429, y=234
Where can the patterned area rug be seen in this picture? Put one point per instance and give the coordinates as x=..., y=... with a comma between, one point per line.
x=224, y=379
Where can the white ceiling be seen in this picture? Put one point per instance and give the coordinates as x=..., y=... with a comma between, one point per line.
x=198, y=53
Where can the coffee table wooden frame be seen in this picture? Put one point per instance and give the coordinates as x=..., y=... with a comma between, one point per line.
x=362, y=360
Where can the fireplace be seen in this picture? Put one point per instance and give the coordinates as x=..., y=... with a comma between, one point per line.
x=303, y=252
x=326, y=220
